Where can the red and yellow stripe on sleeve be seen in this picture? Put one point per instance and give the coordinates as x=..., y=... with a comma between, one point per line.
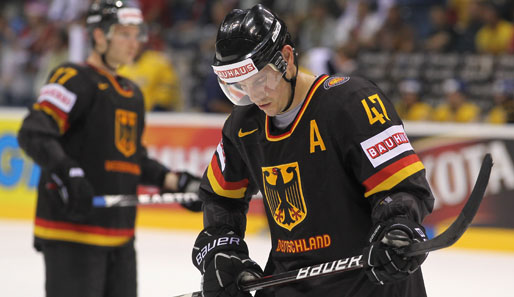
x=392, y=175
x=59, y=116
x=221, y=186
x=78, y=233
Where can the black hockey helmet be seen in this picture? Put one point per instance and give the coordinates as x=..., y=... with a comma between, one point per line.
x=248, y=40
x=105, y=13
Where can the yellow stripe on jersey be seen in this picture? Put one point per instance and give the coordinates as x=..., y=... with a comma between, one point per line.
x=396, y=178
x=59, y=119
x=218, y=189
x=80, y=237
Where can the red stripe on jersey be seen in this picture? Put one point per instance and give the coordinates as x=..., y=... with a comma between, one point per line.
x=61, y=114
x=379, y=177
x=226, y=185
x=84, y=228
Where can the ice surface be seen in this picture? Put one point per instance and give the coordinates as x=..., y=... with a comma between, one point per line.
x=165, y=269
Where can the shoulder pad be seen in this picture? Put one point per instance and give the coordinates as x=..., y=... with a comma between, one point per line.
x=67, y=74
x=65, y=84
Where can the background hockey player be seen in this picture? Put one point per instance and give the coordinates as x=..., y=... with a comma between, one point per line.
x=85, y=132
x=332, y=161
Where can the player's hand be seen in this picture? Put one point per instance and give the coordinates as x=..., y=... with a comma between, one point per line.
x=383, y=263
x=223, y=259
x=183, y=182
x=224, y=272
x=74, y=190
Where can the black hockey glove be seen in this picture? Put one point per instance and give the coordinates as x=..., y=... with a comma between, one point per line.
x=74, y=190
x=189, y=183
x=222, y=258
x=382, y=263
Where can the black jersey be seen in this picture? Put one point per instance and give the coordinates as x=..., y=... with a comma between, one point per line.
x=325, y=180
x=86, y=114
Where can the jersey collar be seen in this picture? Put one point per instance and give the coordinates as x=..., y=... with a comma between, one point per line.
x=306, y=102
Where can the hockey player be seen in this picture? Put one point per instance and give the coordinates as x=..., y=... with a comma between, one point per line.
x=338, y=175
x=85, y=132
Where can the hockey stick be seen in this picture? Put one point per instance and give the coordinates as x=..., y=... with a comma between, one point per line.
x=133, y=200
x=445, y=239
x=461, y=224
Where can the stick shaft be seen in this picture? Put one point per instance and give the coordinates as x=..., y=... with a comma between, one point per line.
x=445, y=239
x=145, y=199
x=309, y=272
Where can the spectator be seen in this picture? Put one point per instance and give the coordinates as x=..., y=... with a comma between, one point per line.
x=155, y=12
x=55, y=52
x=20, y=54
x=155, y=75
x=459, y=11
x=503, y=96
x=395, y=35
x=441, y=36
x=359, y=27
x=341, y=61
x=317, y=30
x=67, y=10
x=495, y=35
x=206, y=93
x=299, y=8
x=456, y=107
x=468, y=27
x=344, y=61
x=215, y=99
x=410, y=107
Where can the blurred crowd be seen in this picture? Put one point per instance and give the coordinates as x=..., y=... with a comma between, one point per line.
x=438, y=60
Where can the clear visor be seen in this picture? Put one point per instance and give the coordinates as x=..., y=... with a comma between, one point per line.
x=133, y=16
x=123, y=31
x=253, y=89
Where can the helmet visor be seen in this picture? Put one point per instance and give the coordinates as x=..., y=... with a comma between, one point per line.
x=133, y=16
x=124, y=16
x=250, y=87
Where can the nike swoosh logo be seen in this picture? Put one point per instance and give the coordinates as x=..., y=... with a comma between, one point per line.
x=243, y=134
x=103, y=86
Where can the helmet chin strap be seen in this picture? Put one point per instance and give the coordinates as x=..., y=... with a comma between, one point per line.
x=104, y=57
x=107, y=65
x=292, y=82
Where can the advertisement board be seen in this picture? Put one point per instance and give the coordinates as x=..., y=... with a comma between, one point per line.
x=18, y=174
x=451, y=154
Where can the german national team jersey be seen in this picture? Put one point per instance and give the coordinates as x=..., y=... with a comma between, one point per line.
x=97, y=120
x=321, y=179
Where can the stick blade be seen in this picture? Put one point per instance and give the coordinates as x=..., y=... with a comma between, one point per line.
x=461, y=224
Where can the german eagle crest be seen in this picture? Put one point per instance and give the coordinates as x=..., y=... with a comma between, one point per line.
x=283, y=191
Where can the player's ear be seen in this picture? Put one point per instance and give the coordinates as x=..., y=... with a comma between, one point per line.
x=288, y=54
x=100, y=40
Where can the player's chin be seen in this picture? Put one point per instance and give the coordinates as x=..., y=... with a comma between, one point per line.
x=268, y=108
x=270, y=112
x=128, y=59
